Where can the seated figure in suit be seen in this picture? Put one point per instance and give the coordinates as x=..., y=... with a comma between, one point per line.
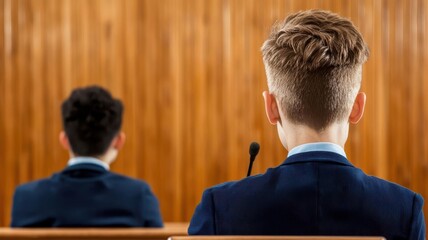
x=86, y=193
x=313, y=62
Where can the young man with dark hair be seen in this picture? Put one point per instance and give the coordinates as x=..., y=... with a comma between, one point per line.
x=86, y=193
x=313, y=63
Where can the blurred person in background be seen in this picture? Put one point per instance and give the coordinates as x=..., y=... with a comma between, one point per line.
x=86, y=193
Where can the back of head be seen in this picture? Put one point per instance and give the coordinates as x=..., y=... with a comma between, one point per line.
x=313, y=62
x=91, y=119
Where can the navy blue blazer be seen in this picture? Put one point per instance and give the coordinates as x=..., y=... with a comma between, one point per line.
x=85, y=195
x=312, y=193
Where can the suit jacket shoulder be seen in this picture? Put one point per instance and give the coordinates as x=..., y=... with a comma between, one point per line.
x=315, y=194
x=85, y=196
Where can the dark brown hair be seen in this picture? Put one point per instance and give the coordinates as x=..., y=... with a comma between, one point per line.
x=313, y=62
x=91, y=119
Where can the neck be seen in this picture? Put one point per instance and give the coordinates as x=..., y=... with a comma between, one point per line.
x=296, y=135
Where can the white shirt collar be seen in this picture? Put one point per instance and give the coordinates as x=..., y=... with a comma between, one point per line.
x=88, y=160
x=317, y=147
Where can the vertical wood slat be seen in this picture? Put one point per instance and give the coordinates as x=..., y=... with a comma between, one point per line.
x=9, y=126
x=3, y=195
x=191, y=76
x=424, y=35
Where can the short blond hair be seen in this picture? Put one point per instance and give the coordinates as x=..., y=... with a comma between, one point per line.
x=313, y=63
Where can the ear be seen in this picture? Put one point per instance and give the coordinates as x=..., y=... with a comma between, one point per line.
x=63, y=140
x=358, y=108
x=119, y=141
x=271, y=108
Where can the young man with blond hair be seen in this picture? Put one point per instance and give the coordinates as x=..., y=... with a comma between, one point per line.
x=313, y=63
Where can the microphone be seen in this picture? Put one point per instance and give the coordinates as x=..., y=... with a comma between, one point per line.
x=254, y=150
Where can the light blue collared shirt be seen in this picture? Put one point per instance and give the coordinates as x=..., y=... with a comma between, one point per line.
x=90, y=160
x=317, y=147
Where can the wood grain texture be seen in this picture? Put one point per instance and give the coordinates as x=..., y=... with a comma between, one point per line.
x=190, y=75
x=170, y=229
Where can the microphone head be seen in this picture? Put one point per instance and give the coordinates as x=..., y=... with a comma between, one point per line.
x=254, y=149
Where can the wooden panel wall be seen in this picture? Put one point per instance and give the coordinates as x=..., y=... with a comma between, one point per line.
x=190, y=75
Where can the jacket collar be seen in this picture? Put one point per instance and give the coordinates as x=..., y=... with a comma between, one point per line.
x=85, y=166
x=317, y=156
